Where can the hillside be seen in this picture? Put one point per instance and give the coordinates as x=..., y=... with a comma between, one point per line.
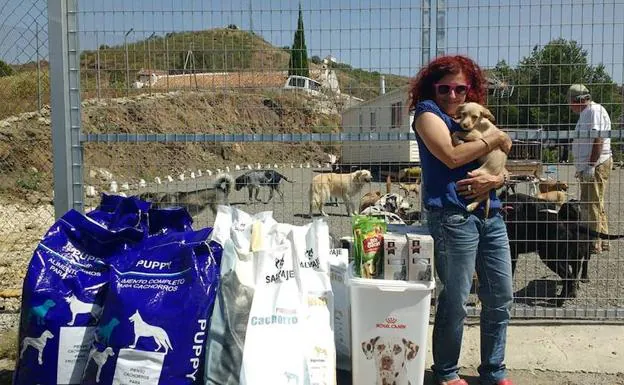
x=215, y=50
x=26, y=151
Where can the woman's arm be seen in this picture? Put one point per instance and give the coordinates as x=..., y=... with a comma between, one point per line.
x=435, y=135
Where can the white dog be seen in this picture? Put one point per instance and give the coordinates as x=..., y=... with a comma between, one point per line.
x=143, y=329
x=391, y=355
x=100, y=359
x=38, y=343
x=76, y=307
x=476, y=121
x=325, y=186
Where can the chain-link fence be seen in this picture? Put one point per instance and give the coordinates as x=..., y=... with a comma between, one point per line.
x=175, y=94
x=25, y=147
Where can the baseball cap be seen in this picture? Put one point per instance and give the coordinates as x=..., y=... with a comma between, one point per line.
x=577, y=92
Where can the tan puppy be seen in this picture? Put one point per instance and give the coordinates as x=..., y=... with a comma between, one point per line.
x=556, y=197
x=551, y=185
x=328, y=185
x=369, y=199
x=476, y=121
x=409, y=188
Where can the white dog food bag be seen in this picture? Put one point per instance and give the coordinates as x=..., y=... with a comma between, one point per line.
x=311, y=251
x=239, y=233
x=274, y=343
x=338, y=262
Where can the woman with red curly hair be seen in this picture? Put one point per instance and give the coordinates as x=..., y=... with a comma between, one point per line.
x=464, y=241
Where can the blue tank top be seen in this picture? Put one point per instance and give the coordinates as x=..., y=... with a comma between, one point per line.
x=439, y=181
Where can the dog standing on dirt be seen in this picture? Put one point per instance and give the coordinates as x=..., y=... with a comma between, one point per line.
x=476, y=121
x=256, y=178
x=195, y=200
x=551, y=185
x=408, y=188
x=328, y=185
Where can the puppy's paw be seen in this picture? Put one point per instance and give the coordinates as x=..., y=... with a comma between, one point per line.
x=323, y=213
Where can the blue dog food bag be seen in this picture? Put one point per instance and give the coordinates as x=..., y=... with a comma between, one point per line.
x=62, y=298
x=156, y=313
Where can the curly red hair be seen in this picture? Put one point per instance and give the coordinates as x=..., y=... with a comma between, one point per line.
x=422, y=86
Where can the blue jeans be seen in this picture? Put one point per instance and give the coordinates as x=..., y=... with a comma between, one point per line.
x=465, y=242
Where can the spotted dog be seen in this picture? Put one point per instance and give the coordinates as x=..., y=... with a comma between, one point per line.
x=391, y=355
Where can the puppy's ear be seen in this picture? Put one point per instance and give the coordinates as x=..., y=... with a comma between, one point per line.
x=411, y=348
x=487, y=114
x=368, y=347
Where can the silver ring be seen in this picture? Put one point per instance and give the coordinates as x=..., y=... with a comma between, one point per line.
x=469, y=188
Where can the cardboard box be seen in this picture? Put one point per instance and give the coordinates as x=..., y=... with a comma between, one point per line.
x=395, y=257
x=420, y=255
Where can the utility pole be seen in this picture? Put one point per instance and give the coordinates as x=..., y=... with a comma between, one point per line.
x=149, y=60
x=127, y=64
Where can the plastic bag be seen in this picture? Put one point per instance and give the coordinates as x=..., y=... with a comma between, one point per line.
x=274, y=351
x=156, y=313
x=63, y=295
x=239, y=233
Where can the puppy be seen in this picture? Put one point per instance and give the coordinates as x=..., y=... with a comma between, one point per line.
x=328, y=185
x=369, y=199
x=551, y=185
x=556, y=197
x=476, y=121
x=408, y=188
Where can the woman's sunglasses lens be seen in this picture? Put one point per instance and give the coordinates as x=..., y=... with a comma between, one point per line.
x=444, y=89
x=460, y=90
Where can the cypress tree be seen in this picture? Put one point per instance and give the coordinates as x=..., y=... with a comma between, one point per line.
x=298, y=64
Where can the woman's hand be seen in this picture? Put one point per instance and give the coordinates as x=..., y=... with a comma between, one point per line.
x=479, y=183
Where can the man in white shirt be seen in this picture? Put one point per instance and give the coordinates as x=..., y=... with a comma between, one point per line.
x=592, y=159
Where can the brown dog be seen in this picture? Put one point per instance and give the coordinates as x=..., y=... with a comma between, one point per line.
x=556, y=197
x=551, y=185
x=408, y=188
x=369, y=199
x=325, y=186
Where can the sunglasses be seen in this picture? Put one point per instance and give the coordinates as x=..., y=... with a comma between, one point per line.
x=444, y=89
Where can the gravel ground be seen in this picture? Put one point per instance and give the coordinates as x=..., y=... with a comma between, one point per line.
x=534, y=284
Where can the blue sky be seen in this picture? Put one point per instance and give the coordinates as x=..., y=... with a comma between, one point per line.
x=382, y=35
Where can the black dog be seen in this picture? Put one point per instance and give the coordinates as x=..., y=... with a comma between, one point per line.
x=256, y=178
x=558, y=237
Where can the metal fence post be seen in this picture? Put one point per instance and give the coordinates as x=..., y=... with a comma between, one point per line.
x=65, y=105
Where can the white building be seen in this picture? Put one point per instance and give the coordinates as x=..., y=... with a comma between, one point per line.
x=386, y=113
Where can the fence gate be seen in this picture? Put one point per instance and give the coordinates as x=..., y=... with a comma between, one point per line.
x=163, y=98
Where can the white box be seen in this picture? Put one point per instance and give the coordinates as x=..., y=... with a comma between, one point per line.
x=395, y=256
x=420, y=255
x=389, y=321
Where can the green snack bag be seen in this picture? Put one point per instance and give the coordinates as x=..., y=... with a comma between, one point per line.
x=368, y=244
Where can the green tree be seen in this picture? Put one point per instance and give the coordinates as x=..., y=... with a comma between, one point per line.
x=5, y=69
x=298, y=64
x=541, y=81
